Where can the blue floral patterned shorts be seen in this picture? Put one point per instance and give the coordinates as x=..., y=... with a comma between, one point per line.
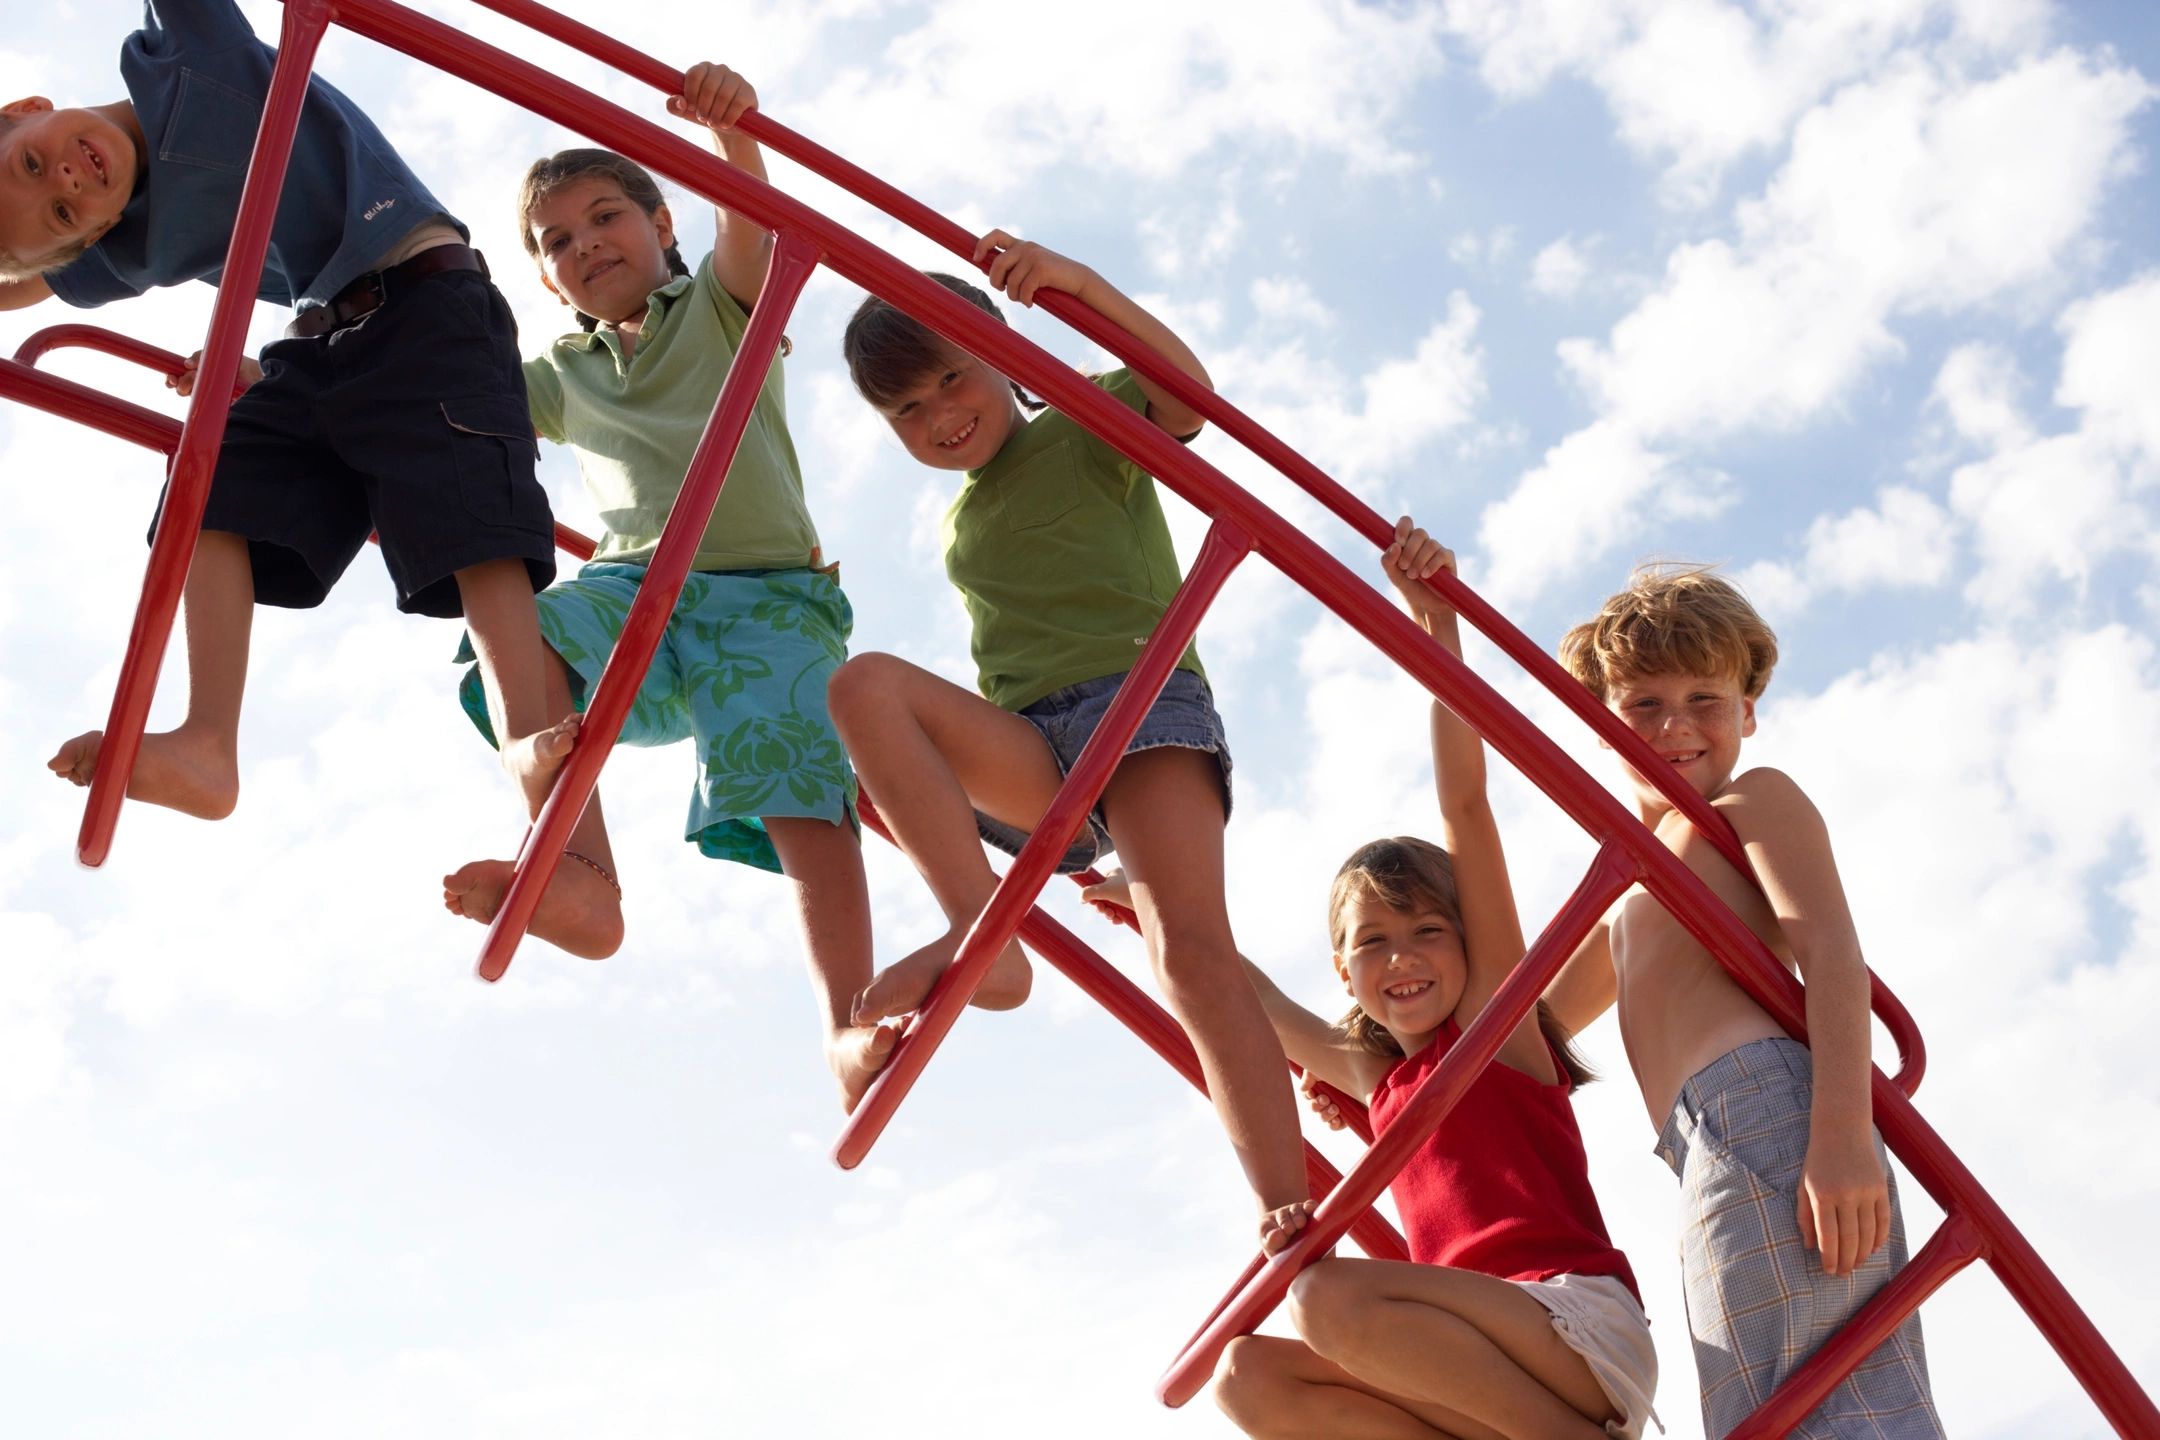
x=741, y=669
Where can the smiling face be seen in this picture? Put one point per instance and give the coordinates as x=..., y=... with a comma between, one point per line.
x=1695, y=723
x=65, y=176
x=957, y=415
x=1405, y=967
x=598, y=249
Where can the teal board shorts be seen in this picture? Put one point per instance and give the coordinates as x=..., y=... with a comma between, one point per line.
x=741, y=669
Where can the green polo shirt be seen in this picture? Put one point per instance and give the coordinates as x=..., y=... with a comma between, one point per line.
x=1060, y=549
x=634, y=427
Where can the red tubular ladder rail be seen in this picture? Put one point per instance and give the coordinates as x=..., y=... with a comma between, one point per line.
x=1101, y=981
x=1974, y=1228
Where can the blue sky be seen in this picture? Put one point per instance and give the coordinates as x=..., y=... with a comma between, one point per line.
x=1859, y=299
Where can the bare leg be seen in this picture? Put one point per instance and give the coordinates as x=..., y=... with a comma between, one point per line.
x=580, y=911
x=1165, y=811
x=505, y=628
x=1280, y=1390
x=832, y=900
x=930, y=752
x=1427, y=1334
x=195, y=768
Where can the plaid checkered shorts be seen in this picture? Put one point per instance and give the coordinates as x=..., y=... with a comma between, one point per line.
x=1758, y=1302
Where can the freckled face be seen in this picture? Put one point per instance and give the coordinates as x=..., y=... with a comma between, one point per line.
x=65, y=175
x=1405, y=968
x=957, y=416
x=1695, y=723
x=599, y=249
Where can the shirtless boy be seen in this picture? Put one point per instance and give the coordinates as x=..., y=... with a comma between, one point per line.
x=1774, y=1147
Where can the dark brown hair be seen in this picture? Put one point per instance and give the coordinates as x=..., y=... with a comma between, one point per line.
x=1406, y=873
x=1672, y=620
x=547, y=176
x=889, y=351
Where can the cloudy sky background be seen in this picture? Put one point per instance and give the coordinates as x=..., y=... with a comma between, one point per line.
x=1859, y=297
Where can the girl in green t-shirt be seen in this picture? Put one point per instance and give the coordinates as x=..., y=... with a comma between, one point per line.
x=760, y=627
x=1058, y=545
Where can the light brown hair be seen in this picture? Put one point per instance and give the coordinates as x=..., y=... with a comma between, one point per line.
x=889, y=351
x=1672, y=620
x=1409, y=874
x=544, y=177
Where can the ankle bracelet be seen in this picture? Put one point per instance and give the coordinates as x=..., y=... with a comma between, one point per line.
x=597, y=868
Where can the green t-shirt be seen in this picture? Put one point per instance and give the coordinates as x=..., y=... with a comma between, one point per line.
x=1060, y=548
x=635, y=427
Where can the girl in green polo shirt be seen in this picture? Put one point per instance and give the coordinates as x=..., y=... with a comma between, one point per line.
x=760, y=627
x=1057, y=544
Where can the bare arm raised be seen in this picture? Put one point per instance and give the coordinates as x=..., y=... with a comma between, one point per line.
x=1492, y=928
x=717, y=97
x=1022, y=268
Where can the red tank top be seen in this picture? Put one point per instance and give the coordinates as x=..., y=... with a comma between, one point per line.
x=1503, y=1186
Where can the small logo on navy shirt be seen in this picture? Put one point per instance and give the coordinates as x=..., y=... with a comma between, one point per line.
x=377, y=208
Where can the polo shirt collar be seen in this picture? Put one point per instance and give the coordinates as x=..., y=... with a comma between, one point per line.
x=658, y=301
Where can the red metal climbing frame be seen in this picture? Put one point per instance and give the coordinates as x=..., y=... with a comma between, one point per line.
x=1974, y=1228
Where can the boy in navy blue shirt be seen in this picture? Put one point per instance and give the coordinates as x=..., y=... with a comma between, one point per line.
x=396, y=404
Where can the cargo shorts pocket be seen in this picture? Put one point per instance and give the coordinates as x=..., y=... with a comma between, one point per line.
x=492, y=442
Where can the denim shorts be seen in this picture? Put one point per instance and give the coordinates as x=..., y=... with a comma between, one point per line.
x=1183, y=716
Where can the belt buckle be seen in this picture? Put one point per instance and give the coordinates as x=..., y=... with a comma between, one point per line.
x=364, y=296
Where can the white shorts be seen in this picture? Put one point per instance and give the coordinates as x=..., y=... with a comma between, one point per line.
x=1599, y=1319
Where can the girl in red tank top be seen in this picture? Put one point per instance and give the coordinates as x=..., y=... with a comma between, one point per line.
x=1517, y=1317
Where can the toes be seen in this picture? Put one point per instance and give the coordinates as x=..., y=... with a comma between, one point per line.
x=878, y=1047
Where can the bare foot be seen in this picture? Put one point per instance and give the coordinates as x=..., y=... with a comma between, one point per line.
x=176, y=769
x=1279, y=1227
x=1111, y=898
x=856, y=1055
x=580, y=911
x=902, y=986
x=534, y=761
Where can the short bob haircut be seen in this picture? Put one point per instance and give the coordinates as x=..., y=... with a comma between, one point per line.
x=889, y=351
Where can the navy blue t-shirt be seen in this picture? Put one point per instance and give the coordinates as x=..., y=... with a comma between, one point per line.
x=198, y=78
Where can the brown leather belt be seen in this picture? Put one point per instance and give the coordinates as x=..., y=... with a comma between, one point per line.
x=373, y=290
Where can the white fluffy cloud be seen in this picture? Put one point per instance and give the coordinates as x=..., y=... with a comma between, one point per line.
x=1906, y=539
x=1914, y=192
x=1748, y=72
x=2056, y=507
x=1559, y=269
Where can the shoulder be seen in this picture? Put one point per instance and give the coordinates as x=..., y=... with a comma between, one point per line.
x=1763, y=802
x=1124, y=385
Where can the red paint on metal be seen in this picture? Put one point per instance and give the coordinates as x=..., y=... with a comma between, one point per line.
x=173, y=549
x=1267, y=1281
x=1219, y=554
x=793, y=262
x=1954, y=1245
x=1138, y=1012
x=2088, y=1356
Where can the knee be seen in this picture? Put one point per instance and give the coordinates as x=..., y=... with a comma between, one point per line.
x=861, y=690
x=1326, y=1308
x=1248, y=1389
x=1193, y=954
